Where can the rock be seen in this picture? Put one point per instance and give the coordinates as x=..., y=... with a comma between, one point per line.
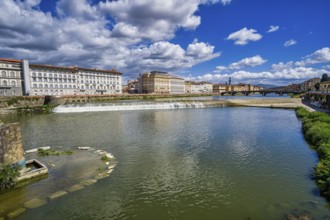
x=84, y=148
x=100, y=152
x=34, y=203
x=16, y=213
x=75, y=188
x=291, y=217
x=88, y=182
x=110, y=171
x=51, y=165
x=107, y=163
x=44, y=148
x=31, y=151
x=110, y=156
x=57, y=194
x=111, y=167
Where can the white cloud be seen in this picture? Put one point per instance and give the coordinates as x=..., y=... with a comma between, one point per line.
x=248, y=62
x=129, y=35
x=290, y=43
x=319, y=56
x=243, y=36
x=280, y=73
x=272, y=77
x=273, y=28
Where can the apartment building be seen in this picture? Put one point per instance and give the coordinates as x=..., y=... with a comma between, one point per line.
x=10, y=77
x=21, y=78
x=159, y=82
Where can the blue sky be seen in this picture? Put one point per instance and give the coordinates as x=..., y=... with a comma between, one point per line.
x=253, y=41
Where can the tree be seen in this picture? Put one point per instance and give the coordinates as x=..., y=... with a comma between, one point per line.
x=317, y=86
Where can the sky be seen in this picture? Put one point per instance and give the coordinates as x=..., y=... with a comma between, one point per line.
x=276, y=42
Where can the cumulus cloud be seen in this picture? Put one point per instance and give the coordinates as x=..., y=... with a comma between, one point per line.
x=130, y=35
x=248, y=62
x=243, y=36
x=273, y=28
x=279, y=74
x=319, y=56
x=289, y=43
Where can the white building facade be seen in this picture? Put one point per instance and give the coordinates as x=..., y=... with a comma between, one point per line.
x=10, y=77
x=21, y=78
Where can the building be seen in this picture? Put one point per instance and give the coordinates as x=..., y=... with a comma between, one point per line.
x=201, y=87
x=325, y=87
x=22, y=78
x=177, y=85
x=187, y=86
x=309, y=85
x=219, y=88
x=158, y=82
x=132, y=86
x=11, y=79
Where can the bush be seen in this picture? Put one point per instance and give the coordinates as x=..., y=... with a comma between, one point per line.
x=316, y=128
x=8, y=175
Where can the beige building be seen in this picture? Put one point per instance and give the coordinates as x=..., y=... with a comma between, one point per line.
x=309, y=85
x=10, y=77
x=160, y=83
x=325, y=87
x=219, y=88
x=198, y=87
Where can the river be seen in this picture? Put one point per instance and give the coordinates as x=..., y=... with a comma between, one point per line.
x=212, y=163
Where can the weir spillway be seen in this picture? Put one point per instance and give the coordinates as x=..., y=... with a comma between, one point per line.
x=167, y=105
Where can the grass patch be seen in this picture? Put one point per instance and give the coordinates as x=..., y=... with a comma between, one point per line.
x=52, y=152
x=105, y=158
x=316, y=128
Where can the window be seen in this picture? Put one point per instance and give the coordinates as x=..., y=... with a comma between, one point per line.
x=34, y=85
x=46, y=86
x=45, y=74
x=3, y=74
x=65, y=87
x=12, y=74
x=5, y=82
x=56, y=86
x=39, y=74
x=40, y=86
x=13, y=83
x=51, y=86
x=50, y=75
x=34, y=74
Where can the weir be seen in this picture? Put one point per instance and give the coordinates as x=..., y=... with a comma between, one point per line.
x=127, y=106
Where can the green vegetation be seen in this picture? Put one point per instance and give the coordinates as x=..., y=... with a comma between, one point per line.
x=52, y=152
x=105, y=158
x=316, y=128
x=8, y=175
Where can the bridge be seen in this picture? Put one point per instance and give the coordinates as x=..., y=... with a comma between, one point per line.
x=262, y=92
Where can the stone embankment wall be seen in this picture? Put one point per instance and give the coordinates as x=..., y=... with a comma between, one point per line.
x=11, y=149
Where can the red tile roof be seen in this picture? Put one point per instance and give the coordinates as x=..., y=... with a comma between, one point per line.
x=10, y=60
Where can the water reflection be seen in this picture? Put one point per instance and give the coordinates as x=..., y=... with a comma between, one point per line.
x=227, y=163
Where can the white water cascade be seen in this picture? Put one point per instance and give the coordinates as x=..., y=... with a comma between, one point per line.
x=125, y=106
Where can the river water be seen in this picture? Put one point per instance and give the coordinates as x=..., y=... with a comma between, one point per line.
x=212, y=163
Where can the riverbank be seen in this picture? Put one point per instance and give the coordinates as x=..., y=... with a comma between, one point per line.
x=316, y=129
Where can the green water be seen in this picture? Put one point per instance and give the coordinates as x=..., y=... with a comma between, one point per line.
x=216, y=163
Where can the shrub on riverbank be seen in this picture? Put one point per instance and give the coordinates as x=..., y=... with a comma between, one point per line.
x=8, y=175
x=316, y=128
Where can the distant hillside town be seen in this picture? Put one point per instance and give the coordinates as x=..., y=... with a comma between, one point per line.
x=21, y=78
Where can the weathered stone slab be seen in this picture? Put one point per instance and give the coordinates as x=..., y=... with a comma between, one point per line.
x=101, y=176
x=88, y=182
x=16, y=213
x=31, y=151
x=57, y=194
x=75, y=188
x=84, y=148
x=44, y=148
x=34, y=203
